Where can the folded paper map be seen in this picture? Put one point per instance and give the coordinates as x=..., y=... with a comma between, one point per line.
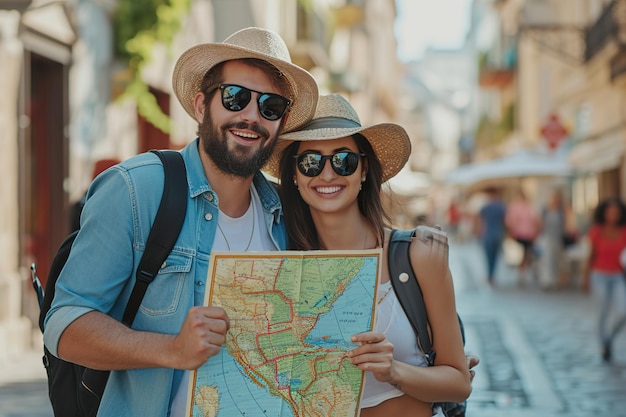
x=291, y=318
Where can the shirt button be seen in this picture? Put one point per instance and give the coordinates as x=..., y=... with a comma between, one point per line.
x=199, y=283
x=163, y=265
x=208, y=216
x=210, y=197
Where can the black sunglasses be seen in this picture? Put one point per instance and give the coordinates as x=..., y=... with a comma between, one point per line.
x=236, y=98
x=312, y=164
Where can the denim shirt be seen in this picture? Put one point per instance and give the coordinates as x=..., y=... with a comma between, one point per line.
x=99, y=274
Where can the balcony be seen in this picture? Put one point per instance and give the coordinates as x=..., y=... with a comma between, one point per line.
x=308, y=49
x=610, y=27
x=497, y=68
x=559, y=34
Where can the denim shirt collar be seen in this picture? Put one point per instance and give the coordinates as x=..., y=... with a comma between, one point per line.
x=198, y=183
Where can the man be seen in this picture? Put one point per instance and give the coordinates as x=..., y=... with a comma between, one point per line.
x=492, y=230
x=243, y=93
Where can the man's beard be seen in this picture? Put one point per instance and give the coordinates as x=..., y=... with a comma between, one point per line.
x=237, y=161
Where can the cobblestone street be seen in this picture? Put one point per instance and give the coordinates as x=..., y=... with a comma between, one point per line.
x=538, y=350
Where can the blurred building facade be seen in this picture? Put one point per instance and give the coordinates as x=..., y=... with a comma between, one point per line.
x=570, y=52
x=62, y=110
x=36, y=40
x=443, y=106
x=440, y=98
x=556, y=62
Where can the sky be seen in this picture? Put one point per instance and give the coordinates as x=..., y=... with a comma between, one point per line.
x=437, y=23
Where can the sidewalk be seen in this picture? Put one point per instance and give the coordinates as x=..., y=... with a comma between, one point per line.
x=23, y=387
x=539, y=351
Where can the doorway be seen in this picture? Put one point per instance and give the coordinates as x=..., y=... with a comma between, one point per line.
x=44, y=162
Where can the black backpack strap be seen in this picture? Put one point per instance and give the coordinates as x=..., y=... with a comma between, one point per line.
x=164, y=232
x=407, y=289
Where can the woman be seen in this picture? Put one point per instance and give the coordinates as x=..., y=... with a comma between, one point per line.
x=337, y=206
x=523, y=225
x=607, y=239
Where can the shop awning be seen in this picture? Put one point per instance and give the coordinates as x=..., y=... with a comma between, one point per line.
x=521, y=164
x=410, y=183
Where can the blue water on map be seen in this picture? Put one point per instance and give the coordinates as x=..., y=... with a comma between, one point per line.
x=238, y=394
x=346, y=317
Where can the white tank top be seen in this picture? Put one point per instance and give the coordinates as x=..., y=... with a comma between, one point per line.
x=393, y=322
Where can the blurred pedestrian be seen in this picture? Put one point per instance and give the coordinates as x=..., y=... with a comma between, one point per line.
x=454, y=218
x=523, y=225
x=558, y=232
x=607, y=239
x=492, y=229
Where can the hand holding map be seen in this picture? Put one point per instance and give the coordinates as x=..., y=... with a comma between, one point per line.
x=201, y=337
x=292, y=316
x=375, y=354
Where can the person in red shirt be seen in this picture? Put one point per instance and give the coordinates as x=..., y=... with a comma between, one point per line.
x=607, y=239
x=454, y=217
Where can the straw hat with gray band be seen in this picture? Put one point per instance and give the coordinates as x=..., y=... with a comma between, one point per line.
x=246, y=43
x=335, y=118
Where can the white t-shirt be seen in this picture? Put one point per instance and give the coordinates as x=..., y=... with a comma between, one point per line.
x=248, y=231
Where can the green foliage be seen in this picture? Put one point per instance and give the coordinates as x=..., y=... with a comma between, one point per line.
x=132, y=17
x=508, y=120
x=138, y=26
x=490, y=132
x=306, y=4
x=482, y=61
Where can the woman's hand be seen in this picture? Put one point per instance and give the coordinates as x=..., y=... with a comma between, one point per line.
x=472, y=361
x=375, y=354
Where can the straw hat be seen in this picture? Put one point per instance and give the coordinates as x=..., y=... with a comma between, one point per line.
x=247, y=43
x=335, y=118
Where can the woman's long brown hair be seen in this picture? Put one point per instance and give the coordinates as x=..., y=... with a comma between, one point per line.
x=301, y=229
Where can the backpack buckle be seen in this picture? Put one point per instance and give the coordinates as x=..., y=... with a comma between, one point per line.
x=145, y=277
x=430, y=357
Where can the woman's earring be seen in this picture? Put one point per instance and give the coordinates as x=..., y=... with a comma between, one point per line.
x=295, y=183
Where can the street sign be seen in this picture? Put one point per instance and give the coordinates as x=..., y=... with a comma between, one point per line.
x=553, y=131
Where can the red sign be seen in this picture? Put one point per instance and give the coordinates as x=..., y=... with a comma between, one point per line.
x=553, y=131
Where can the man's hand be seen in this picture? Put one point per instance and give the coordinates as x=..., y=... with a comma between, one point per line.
x=202, y=336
